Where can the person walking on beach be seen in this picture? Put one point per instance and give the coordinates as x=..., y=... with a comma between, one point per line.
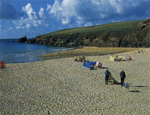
x=107, y=74
x=122, y=77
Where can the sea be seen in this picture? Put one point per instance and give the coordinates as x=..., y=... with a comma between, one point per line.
x=13, y=52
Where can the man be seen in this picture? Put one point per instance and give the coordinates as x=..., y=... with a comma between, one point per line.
x=122, y=77
x=107, y=74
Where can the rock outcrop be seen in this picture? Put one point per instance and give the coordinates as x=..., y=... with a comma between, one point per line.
x=22, y=39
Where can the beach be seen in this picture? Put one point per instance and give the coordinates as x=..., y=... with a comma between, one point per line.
x=62, y=86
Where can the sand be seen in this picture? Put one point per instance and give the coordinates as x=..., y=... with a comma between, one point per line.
x=62, y=86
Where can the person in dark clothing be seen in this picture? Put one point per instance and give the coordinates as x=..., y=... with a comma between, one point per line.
x=107, y=74
x=122, y=77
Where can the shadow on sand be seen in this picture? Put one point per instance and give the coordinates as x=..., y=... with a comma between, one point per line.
x=135, y=91
x=104, y=68
x=139, y=86
x=99, y=68
x=117, y=83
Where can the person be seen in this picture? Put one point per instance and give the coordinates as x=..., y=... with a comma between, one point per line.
x=129, y=58
x=107, y=74
x=122, y=77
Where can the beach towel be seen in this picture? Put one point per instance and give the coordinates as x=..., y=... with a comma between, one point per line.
x=86, y=64
x=93, y=63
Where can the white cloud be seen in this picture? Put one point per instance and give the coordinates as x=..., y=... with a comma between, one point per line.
x=117, y=5
x=69, y=7
x=48, y=7
x=123, y=5
x=32, y=19
x=27, y=23
x=73, y=9
x=28, y=26
x=65, y=20
x=79, y=21
x=30, y=12
x=97, y=2
x=56, y=8
x=98, y=11
x=41, y=13
x=64, y=10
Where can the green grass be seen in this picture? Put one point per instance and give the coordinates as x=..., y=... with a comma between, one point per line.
x=120, y=26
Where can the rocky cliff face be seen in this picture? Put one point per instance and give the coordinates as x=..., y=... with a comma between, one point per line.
x=22, y=39
x=113, y=35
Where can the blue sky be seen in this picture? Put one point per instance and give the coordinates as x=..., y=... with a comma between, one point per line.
x=36, y=17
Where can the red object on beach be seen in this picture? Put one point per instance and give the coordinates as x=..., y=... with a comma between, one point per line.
x=2, y=64
x=99, y=65
x=129, y=58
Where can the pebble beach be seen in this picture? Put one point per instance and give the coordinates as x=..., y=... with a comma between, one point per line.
x=65, y=87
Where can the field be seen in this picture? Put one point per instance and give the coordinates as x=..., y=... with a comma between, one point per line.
x=62, y=86
x=112, y=27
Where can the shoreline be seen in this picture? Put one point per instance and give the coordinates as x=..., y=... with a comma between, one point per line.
x=86, y=51
x=81, y=51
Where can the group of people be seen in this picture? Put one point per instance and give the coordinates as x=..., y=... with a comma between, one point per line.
x=80, y=59
x=108, y=74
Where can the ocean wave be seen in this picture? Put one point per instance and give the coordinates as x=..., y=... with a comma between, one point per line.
x=58, y=50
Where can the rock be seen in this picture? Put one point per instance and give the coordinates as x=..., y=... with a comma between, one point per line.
x=22, y=39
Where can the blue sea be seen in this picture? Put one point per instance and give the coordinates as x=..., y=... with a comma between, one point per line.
x=13, y=52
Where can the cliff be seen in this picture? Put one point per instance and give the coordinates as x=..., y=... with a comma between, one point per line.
x=22, y=39
x=122, y=34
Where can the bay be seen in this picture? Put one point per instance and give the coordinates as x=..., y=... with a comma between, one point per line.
x=13, y=52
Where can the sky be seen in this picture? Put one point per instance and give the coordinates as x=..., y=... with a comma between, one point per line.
x=36, y=17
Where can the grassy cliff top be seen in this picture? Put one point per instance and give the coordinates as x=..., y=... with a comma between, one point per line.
x=112, y=27
x=120, y=34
